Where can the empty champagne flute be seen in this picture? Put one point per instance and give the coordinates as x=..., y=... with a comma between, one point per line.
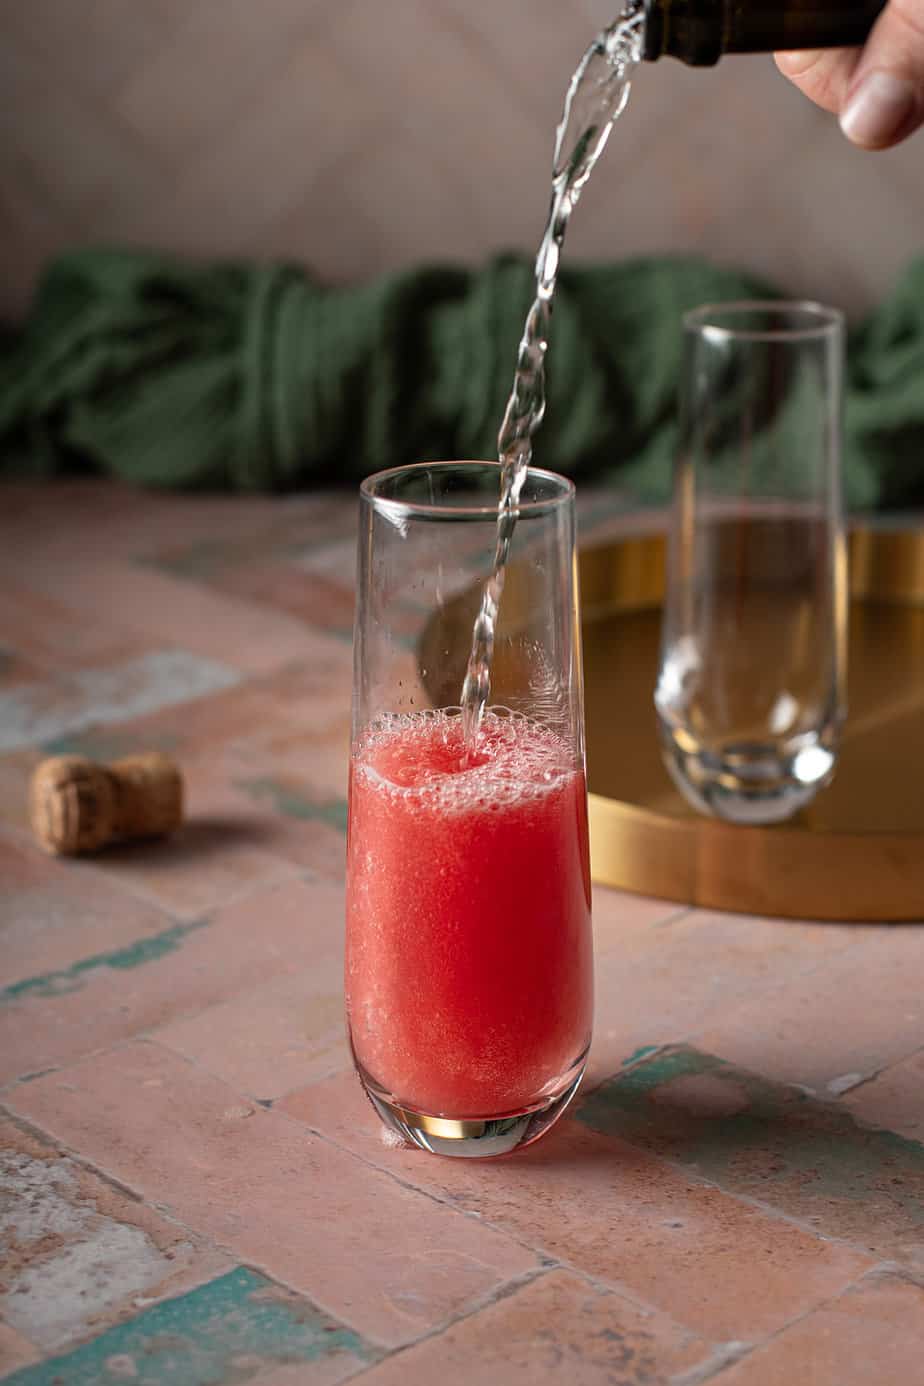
x=750, y=695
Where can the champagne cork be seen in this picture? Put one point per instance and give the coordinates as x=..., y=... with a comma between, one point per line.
x=78, y=806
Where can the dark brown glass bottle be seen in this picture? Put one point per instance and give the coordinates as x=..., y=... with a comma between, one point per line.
x=699, y=32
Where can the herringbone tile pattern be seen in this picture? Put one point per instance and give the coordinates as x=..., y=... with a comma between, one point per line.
x=353, y=137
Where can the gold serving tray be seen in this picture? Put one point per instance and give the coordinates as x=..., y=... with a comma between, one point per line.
x=857, y=853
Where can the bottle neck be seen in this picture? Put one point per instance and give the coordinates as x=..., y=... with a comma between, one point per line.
x=699, y=32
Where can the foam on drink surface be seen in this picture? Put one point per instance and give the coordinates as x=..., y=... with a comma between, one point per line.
x=422, y=756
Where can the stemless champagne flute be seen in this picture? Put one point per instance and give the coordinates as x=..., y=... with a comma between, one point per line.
x=468, y=945
x=750, y=691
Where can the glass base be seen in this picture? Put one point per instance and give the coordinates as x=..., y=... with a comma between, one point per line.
x=750, y=782
x=473, y=1137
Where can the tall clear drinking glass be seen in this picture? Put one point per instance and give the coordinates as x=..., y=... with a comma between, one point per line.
x=751, y=688
x=468, y=948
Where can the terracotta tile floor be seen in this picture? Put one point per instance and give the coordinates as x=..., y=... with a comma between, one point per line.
x=193, y=1189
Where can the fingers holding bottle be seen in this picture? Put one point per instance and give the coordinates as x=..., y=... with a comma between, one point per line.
x=822, y=74
x=877, y=91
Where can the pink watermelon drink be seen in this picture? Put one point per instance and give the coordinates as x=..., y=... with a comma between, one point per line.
x=469, y=967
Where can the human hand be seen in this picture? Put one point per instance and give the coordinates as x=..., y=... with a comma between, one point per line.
x=877, y=91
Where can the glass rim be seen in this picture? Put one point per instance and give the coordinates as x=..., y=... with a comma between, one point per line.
x=820, y=320
x=435, y=509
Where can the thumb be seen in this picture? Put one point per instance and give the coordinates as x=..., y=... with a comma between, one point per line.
x=885, y=95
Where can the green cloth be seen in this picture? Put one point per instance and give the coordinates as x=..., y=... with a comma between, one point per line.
x=258, y=377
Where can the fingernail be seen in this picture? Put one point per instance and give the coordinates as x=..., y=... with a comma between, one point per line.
x=877, y=110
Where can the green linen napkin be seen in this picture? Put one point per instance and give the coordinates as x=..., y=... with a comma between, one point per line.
x=247, y=376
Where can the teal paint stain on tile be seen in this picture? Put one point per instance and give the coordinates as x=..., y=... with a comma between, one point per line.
x=38, y=713
x=292, y=803
x=94, y=745
x=209, y=559
x=644, y=1051
x=232, y=1329
x=144, y=950
x=637, y=1106
x=202, y=560
x=766, y=1139
x=97, y=744
x=666, y=1064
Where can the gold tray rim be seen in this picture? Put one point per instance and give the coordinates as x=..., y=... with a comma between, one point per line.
x=782, y=871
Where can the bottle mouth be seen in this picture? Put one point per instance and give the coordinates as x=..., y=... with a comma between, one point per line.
x=652, y=33
x=694, y=34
